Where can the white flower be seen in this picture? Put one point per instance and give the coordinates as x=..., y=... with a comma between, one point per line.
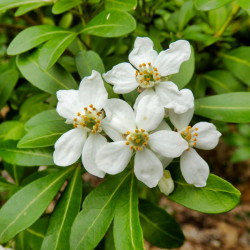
x=83, y=109
x=166, y=183
x=150, y=71
x=202, y=135
x=130, y=132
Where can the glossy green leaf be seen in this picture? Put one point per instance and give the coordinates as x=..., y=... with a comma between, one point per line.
x=121, y=4
x=28, y=7
x=186, y=13
x=8, y=80
x=218, y=196
x=9, y=4
x=210, y=4
x=11, y=130
x=86, y=61
x=53, y=49
x=197, y=86
x=222, y=81
x=186, y=72
x=110, y=23
x=25, y=157
x=49, y=81
x=43, y=117
x=57, y=235
x=64, y=5
x=32, y=37
x=238, y=63
x=6, y=186
x=97, y=213
x=33, y=236
x=44, y=135
x=127, y=229
x=217, y=18
x=159, y=228
x=32, y=200
x=231, y=107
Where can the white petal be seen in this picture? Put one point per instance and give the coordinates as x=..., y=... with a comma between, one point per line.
x=110, y=131
x=194, y=169
x=68, y=104
x=120, y=115
x=165, y=161
x=92, y=91
x=163, y=126
x=149, y=113
x=169, y=61
x=114, y=157
x=208, y=136
x=148, y=167
x=68, y=148
x=143, y=52
x=166, y=183
x=141, y=95
x=172, y=98
x=167, y=143
x=93, y=143
x=181, y=121
x=122, y=76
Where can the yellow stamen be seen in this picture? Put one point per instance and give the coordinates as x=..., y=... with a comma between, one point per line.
x=195, y=134
x=127, y=143
x=196, y=129
x=78, y=114
x=136, y=131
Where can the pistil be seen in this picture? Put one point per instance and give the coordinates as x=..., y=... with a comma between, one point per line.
x=137, y=140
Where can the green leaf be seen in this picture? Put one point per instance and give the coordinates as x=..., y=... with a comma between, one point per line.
x=8, y=80
x=245, y=4
x=159, y=228
x=197, y=86
x=32, y=37
x=33, y=236
x=217, y=18
x=186, y=13
x=32, y=200
x=28, y=7
x=64, y=5
x=86, y=61
x=231, y=107
x=11, y=130
x=238, y=63
x=121, y=4
x=241, y=154
x=25, y=157
x=57, y=235
x=53, y=49
x=222, y=81
x=49, y=81
x=44, y=135
x=127, y=229
x=43, y=117
x=110, y=23
x=210, y=4
x=7, y=186
x=97, y=213
x=186, y=72
x=218, y=196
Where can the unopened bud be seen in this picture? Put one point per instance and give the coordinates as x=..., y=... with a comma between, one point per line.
x=166, y=183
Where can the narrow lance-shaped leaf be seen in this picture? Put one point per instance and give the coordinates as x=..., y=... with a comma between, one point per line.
x=64, y=5
x=44, y=135
x=97, y=213
x=110, y=23
x=121, y=4
x=32, y=37
x=127, y=229
x=27, y=205
x=159, y=228
x=25, y=157
x=231, y=107
x=49, y=81
x=11, y=130
x=57, y=235
x=8, y=80
x=210, y=4
x=218, y=196
x=53, y=49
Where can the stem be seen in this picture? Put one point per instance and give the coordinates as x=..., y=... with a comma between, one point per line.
x=81, y=16
x=13, y=26
x=229, y=19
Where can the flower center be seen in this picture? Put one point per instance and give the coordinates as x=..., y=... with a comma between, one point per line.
x=147, y=76
x=190, y=135
x=137, y=140
x=90, y=119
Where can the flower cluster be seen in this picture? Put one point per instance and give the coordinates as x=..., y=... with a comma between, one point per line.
x=108, y=133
